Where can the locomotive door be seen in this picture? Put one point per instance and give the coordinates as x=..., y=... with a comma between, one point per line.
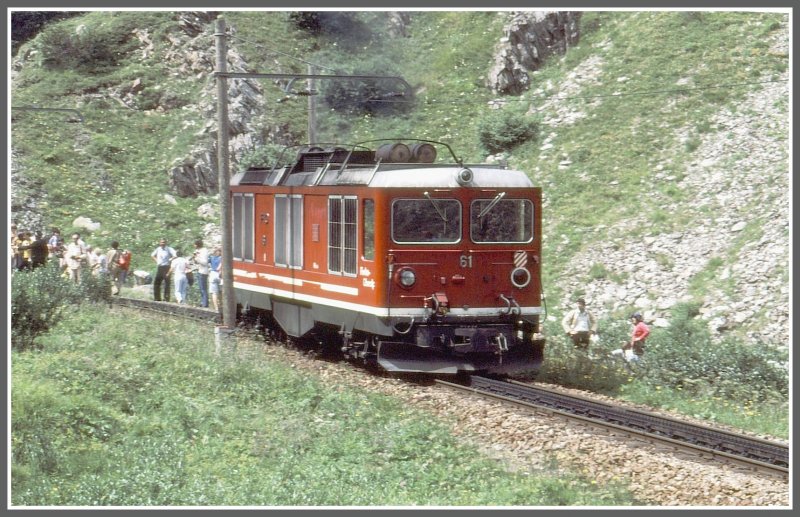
x=263, y=226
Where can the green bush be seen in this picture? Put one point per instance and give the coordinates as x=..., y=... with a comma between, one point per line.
x=684, y=357
x=92, y=50
x=264, y=156
x=502, y=130
x=598, y=271
x=367, y=96
x=681, y=357
x=39, y=298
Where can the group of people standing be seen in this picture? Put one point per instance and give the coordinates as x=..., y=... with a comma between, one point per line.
x=202, y=267
x=77, y=255
x=29, y=250
x=32, y=250
x=581, y=326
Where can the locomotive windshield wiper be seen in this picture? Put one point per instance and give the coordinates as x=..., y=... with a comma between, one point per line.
x=491, y=205
x=435, y=206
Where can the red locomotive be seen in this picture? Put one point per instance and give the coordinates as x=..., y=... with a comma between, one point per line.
x=417, y=264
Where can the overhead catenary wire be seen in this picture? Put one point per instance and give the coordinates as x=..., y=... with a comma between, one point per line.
x=644, y=93
x=285, y=54
x=527, y=98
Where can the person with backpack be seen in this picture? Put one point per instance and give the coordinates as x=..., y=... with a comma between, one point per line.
x=115, y=272
x=124, y=266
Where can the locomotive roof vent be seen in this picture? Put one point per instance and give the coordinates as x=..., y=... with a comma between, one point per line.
x=402, y=153
x=423, y=153
x=393, y=153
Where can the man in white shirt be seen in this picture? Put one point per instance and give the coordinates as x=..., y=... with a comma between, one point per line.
x=162, y=256
x=579, y=324
x=74, y=255
x=200, y=260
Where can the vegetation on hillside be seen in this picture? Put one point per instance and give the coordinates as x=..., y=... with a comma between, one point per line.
x=130, y=410
x=113, y=166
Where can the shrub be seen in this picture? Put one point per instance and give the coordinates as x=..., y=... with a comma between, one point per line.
x=40, y=297
x=598, y=271
x=567, y=366
x=91, y=50
x=502, y=130
x=684, y=357
x=343, y=27
x=367, y=96
x=264, y=156
x=38, y=301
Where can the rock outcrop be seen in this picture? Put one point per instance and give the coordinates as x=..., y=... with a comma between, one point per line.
x=737, y=186
x=528, y=40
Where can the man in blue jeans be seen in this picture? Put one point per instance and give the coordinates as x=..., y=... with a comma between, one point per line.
x=162, y=256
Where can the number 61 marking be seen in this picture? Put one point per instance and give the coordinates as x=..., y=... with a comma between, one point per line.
x=466, y=261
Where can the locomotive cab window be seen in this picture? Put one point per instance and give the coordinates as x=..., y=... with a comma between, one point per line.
x=427, y=220
x=499, y=220
x=342, y=235
x=243, y=230
x=289, y=231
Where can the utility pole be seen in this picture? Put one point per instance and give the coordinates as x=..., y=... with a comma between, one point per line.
x=223, y=169
x=226, y=218
x=312, y=105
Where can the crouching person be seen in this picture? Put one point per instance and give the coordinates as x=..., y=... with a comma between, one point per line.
x=633, y=350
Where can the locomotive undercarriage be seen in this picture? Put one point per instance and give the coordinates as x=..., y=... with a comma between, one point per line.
x=439, y=345
x=450, y=348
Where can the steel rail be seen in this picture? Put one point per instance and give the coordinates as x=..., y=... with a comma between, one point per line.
x=172, y=309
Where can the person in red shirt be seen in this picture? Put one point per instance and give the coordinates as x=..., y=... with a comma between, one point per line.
x=639, y=335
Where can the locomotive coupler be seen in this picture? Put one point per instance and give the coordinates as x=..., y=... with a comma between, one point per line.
x=438, y=303
x=512, y=307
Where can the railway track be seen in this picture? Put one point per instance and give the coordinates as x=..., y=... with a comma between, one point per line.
x=720, y=445
x=172, y=309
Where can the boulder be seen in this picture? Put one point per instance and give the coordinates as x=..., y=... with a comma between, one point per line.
x=142, y=277
x=86, y=224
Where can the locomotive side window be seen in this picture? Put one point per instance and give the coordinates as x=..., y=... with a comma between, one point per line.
x=426, y=220
x=369, y=229
x=243, y=221
x=342, y=235
x=289, y=231
x=501, y=220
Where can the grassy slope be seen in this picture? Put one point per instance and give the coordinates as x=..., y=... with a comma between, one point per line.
x=131, y=410
x=111, y=168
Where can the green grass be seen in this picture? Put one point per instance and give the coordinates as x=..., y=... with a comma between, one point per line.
x=121, y=409
x=768, y=418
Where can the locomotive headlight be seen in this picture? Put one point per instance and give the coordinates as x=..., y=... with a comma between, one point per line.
x=520, y=277
x=464, y=176
x=406, y=277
